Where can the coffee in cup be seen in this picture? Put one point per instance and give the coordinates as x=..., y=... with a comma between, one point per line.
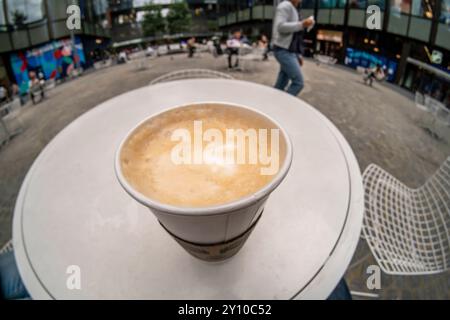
x=205, y=170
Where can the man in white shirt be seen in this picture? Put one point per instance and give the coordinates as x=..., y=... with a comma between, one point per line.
x=287, y=38
x=233, y=46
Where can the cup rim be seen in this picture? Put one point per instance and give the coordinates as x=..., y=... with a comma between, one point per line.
x=208, y=210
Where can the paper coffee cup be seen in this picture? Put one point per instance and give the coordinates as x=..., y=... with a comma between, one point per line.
x=218, y=232
x=313, y=24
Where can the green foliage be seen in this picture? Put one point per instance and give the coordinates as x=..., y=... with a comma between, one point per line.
x=213, y=25
x=179, y=18
x=19, y=17
x=154, y=22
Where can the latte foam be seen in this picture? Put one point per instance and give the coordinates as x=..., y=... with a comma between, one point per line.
x=162, y=166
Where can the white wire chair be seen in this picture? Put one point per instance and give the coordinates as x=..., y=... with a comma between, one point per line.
x=10, y=123
x=191, y=74
x=248, y=56
x=407, y=229
x=8, y=247
x=4, y=133
x=139, y=60
x=323, y=59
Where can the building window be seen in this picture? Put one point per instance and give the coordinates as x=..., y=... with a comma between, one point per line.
x=358, y=4
x=308, y=4
x=264, y=2
x=100, y=7
x=25, y=11
x=380, y=3
x=140, y=3
x=423, y=8
x=2, y=15
x=400, y=6
x=327, y=4
x=331, y=4
x=445, y=12
x=341, y=4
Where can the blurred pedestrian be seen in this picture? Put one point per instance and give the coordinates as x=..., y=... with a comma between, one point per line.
x=3, y=94
x=287, y=44
x=191, y=47
x=263, y=44
x=35, y=87
x=122, y=57
x=14, y=91
x=217, y=46
x=233, y=46
x=376, y=73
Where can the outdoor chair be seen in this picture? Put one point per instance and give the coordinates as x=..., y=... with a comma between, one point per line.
x=256, y=54
x=4, y=135
x=103, y=64
x=407, y=229
x=139, y=60
x=437, y=119
x=201, y=50
x=438, y=109
x=50, y=84
x=323, y=59
x=10, y=125
x=162, y=50
x=8, y=247
x=11, y=106
x=191, y=74
x=419, y=99
x=37, y=93
x=359, y=69
x=247, y=55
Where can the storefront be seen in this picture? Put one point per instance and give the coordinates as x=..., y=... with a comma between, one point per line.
x=358, y=58
x=55, y=60
x=329, y=42
x=428, y=80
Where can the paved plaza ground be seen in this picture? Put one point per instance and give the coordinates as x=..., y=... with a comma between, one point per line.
x=381, y=123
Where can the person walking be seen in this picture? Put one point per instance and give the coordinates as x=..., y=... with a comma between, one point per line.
x=191, y=47
x=234, y=45
x=287, y=42
x=263, y=44
x=371, y=74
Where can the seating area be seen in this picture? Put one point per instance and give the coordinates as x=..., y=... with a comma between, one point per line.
x=10, y=123
x=190, y=74
x=366, y=126
x=436, y=117
x=323, y=59
x=103, y=64
x=408, y=229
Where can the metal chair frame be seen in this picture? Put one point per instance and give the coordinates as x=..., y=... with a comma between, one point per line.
x=407, y=229
x=8, y=247
x=191, y=74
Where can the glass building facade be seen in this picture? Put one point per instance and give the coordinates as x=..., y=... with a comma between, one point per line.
x=127, y=16
x=413, y=33
x=34, y=36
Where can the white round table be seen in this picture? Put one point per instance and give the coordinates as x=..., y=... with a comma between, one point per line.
x=71, y=210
